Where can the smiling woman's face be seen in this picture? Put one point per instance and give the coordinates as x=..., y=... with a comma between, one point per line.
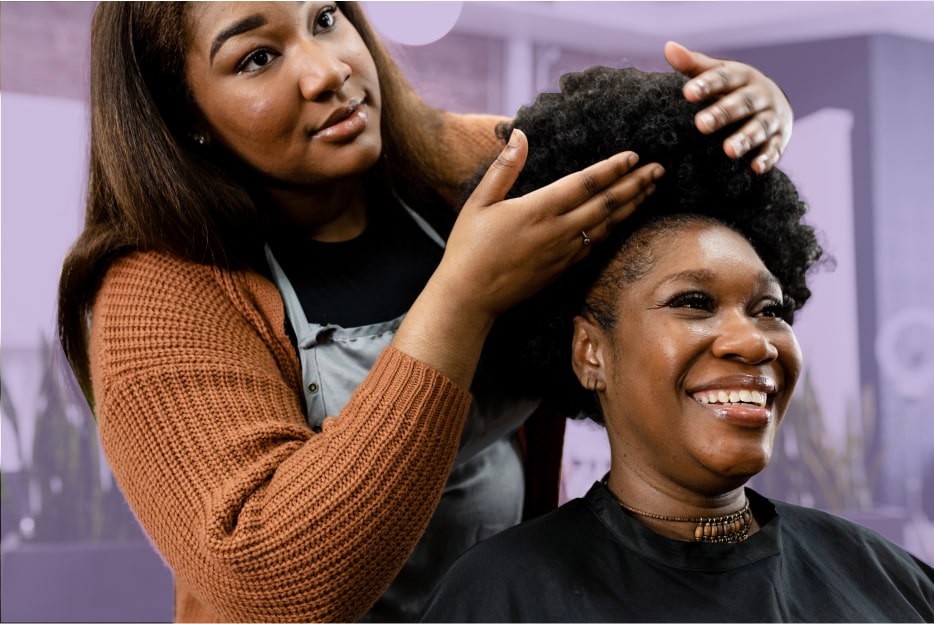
x=699, y=367
x=290, y=89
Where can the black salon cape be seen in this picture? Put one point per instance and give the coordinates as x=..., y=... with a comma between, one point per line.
x=588, y=561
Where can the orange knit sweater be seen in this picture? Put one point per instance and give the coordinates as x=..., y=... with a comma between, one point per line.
x=198, y=394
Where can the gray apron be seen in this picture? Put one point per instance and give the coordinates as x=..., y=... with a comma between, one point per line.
x=484, y=491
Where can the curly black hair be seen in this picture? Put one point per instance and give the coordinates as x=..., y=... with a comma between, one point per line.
x=599, y=112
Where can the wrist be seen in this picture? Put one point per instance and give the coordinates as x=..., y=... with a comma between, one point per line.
x=445, y=329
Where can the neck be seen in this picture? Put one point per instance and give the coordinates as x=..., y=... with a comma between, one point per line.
x=721, y=518
x=334, y=213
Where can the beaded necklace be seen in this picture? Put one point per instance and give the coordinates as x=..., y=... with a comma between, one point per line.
x=729, y=528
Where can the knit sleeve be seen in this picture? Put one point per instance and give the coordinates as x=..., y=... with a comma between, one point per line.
x=202, y=424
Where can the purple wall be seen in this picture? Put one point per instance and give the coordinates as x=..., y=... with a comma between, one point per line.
x=58, y=517
x=886, y=82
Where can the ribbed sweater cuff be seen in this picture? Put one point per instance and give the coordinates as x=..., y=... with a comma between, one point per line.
x=401, y=380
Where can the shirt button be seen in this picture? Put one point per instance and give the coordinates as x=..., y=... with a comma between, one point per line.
x=312, y=387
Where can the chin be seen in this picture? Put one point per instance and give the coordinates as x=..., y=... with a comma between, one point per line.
x=736, y=468
x=366, y=156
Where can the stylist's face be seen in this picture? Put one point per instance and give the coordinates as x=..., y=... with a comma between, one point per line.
x=699, y=367
x=297, y=99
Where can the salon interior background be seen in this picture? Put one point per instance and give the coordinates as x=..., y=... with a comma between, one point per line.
x=858, y=440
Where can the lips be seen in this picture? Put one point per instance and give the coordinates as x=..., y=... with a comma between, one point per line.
x=344, y=123
x=341, y=113
x=743, y=400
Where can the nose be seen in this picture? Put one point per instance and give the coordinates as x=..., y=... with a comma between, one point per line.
x=740, y=338
x=321, y=72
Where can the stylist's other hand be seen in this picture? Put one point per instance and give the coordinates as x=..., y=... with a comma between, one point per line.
x=743, y=94
x=502, y=251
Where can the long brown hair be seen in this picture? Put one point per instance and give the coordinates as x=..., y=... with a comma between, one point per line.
x=151, y=188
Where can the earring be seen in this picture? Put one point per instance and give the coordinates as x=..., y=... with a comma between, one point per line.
x=199, y=139
x=594, y=384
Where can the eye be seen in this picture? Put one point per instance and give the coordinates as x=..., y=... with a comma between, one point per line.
x=773, y=308
x=694, y=300
x=256, y=61
x=325, y=19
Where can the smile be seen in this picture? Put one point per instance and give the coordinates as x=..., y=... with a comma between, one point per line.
x=728, y=397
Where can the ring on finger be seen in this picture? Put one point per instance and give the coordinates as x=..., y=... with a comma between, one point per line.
x=587, y=240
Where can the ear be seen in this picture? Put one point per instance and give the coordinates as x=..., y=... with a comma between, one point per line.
x=587, y=354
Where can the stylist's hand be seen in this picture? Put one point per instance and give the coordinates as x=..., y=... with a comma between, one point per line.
x=742, y=93
x=502, y=251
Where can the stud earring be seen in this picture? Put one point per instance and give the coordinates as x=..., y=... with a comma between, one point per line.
x=200, y=139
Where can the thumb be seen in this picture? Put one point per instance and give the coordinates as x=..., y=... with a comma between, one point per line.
x=504, y=171
x=687, y=61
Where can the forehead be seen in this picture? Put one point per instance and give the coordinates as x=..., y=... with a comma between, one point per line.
x=209, y=11
x=207, y=19
x=699, y=247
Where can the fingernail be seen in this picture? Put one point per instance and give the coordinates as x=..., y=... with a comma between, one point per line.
x=658, y=173
x=762, y=162
x=707, y=120
x=649, y=190
x=513, y=143
x=699, y=87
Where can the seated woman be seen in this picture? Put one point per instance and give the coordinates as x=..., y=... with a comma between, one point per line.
x=678, y=328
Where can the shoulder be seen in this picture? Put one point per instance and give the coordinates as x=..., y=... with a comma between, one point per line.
x=152, y=290
x=800, y=521
x=159, y=275
x=479, y=130
x=512, y=569
x=553, y=534
x=860, y=549
x=797, y=518
x=156, y=309
x=164, y=288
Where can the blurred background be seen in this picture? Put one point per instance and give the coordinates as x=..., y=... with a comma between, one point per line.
x=858, y=440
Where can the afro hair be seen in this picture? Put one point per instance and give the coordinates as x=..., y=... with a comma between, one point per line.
x=600, y=112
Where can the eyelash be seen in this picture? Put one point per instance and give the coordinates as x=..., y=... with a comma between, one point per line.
x=242, y=67
x=691, y=300
x=696, y=300
x=775, y=309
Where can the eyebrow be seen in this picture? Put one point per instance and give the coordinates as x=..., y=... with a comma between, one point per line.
x=237, y=28
x=764, y=279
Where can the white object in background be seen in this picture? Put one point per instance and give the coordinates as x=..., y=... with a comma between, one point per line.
x=413, y=23
x=905, y=350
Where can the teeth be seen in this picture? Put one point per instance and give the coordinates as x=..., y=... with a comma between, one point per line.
x=754, y=397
